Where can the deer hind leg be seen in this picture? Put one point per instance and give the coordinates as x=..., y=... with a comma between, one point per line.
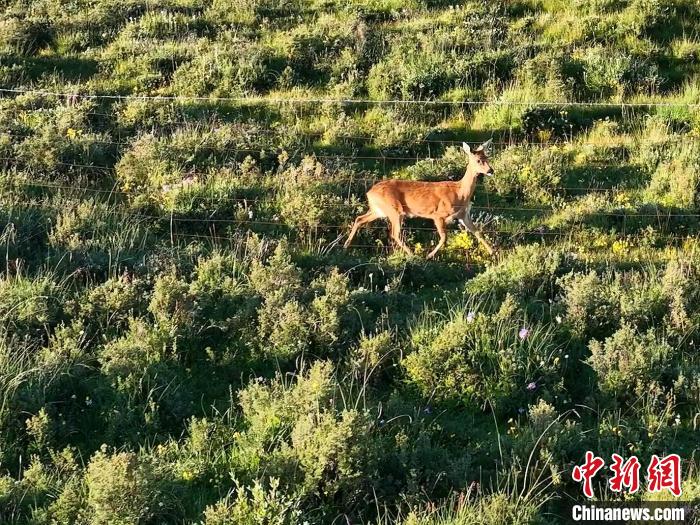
x=466, y=221
x=395, y=221
x=442, y=232
x=359, y=222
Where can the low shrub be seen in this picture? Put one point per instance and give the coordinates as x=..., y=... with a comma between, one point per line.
x=474, y=358
x=97, y=235
x=28, y=306
x=452, y=165
x=498, y=507
x=278, y=275
x=531, y=174
x=154, y=165
x=112, y=303
x=294, y=433
x=60, y=136
x=529, y=270
x=121, y=489
x=305, y=199
x=596, y=305
x=629, y=361
x=676, y=180
x=293, y=319
x=250, y=12
x=226, y=70
x=617, y=73
x=252, y=506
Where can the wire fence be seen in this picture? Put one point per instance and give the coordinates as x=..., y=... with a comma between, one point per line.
x=271, y=201
x=383, y=158
x=334, y=180
x=345, y=101
x=312, y=229
x=402, y=144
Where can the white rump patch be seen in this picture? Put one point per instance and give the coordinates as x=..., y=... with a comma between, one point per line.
x=378, y=212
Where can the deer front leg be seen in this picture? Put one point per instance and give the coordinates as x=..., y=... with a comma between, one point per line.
x=442, y=232
x=466, y=221
x=395, y=222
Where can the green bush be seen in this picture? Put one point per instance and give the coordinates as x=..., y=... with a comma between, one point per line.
x=56, y=138
x=253, y=506
x=676, y=180
x=283, y=330
x=371, y=354
x=614, y=73
x=473, y=358
x=628, y=361
x=171, y=282
x=30, y=305
x=249, y=12
x=532, y=174
x=210, y=311
x=130, y=357
x=293, y=319
x=596, y=305
x=495, y=508
x=527, y=270
x=295, y=434
x=112, y=303
x=418, y=76
x=95, y=235
x=122, y=490
x=331, y=314
x=155, y=166
x=278, y=275
x=305, y=201
x=224, y=71
x=451, y=166
x=172, y=305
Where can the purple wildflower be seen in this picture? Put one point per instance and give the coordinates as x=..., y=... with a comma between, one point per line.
x=471, y=316
x=523, y=333
x=531, y=386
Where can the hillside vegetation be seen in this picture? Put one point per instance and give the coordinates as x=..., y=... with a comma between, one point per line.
x=183, y=338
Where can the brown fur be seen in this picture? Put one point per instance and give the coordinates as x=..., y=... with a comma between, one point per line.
x=442, y=202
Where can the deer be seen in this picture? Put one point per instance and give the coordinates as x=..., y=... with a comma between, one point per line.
x=443, y=202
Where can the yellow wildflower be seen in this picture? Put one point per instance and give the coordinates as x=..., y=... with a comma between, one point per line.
x=187, y=475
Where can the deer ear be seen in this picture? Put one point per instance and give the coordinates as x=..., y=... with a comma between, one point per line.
x=466, y=147
x=486, y=145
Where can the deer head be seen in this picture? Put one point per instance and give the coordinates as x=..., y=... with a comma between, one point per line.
x=478, y=162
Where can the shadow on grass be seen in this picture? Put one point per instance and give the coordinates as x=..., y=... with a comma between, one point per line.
x=662, y=219
x=69, y=68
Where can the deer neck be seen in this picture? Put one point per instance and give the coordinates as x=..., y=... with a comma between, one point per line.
x=467, y=186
